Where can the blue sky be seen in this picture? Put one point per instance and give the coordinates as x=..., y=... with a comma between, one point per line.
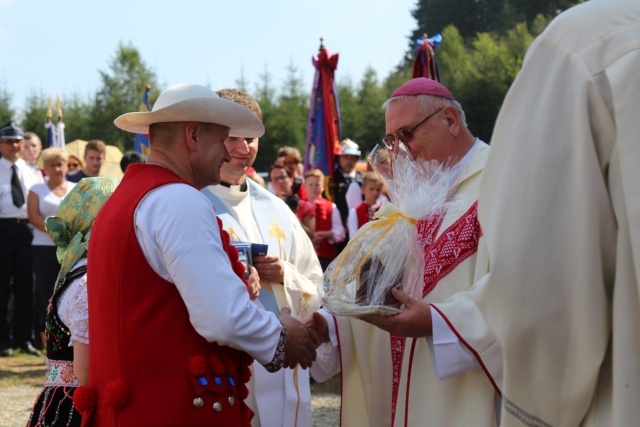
x=57, y=47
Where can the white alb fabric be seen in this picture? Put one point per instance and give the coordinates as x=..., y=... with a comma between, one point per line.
x=560, y=210
x=282, y=398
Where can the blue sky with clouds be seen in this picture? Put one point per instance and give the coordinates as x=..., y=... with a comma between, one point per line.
x=57, y=47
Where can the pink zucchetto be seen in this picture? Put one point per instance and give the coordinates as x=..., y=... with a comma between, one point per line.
x=422, y=86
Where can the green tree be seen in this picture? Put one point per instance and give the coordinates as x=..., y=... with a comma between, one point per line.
x=477, y=16
x=350, y=110
x=77, y=113
x=6, y=112
x=266, y=97
x=35, y=115
x=371, y=96
x=121, y=92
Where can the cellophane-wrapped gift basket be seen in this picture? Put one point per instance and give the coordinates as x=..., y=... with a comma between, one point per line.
x=386, y=253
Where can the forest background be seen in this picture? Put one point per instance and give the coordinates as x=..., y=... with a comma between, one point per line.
x=484, y=43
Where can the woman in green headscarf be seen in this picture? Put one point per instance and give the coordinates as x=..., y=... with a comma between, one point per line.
x=67, y=326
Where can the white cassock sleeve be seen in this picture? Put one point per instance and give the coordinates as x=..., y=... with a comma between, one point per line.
x=352, y=223
x=327, y=362
x=449, y=356
x=353, y=195
x=183, y=246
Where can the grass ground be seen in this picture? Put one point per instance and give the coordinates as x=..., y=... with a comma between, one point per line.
x=22, y=369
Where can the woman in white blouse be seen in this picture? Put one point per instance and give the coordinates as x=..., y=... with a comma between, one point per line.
x=67, y=325
x=42, y=202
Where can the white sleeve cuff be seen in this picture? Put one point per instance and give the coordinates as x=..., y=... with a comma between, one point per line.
x=450, y=357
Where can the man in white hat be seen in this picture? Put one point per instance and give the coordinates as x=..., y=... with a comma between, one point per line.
x=290, y=272
x=173, y=330
x=346, y=182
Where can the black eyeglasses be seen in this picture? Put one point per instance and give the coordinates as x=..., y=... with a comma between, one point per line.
x=405, y=135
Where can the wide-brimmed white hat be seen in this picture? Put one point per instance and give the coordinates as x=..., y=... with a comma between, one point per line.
x=194, y=103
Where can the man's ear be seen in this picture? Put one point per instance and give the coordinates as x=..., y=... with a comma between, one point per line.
x=453, y=120
x=192, y=133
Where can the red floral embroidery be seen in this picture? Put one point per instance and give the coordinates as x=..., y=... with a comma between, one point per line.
x=66, y=373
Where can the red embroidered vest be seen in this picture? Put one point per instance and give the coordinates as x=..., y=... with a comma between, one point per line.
x=148, y=365
x=323, y=211
x=362, y=211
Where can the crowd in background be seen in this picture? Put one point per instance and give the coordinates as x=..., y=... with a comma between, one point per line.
x=330, y=210
x=29, y=265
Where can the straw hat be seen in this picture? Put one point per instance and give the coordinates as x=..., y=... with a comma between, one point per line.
x=194, y=103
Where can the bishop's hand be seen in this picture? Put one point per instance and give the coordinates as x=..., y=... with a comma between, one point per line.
x=414, y=320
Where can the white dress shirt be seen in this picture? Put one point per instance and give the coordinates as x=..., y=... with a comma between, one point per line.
x=28, y=176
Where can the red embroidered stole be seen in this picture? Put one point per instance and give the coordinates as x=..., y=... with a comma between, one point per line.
x=441, y=257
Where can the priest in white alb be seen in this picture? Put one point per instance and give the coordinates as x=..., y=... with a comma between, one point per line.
x=290, y=273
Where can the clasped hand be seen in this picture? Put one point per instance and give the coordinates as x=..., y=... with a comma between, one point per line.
x=301, y=341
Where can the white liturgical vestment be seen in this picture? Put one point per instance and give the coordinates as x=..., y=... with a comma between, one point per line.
x=559, y=314
x=282, y=398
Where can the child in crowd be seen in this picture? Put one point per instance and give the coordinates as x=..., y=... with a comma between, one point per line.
x=371, y=190
x=328, y=224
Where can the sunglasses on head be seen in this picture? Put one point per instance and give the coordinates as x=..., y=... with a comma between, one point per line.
x=405, y=135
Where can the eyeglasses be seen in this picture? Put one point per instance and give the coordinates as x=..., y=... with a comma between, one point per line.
x=73, y=165
x=405, y=135
x=280, y=178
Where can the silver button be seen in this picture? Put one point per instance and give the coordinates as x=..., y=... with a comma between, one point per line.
x=198, y=402
x=217, y=406
x=231, y=400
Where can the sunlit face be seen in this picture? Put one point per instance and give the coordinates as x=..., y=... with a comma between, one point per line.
x=291, y=163
x=31, y=149
x=428, y=142
x=280, y=181
x=243, y=152
x=210, y=156
x=73, y=164
x=10, y=149
x=56, y=169
x=314, y=186
x=347, y=162
x=93, y=161
x=371, y=192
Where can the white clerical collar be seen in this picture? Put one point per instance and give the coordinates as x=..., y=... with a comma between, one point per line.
x=467, y=157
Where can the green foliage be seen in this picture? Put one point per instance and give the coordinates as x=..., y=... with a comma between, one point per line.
x=6, y=112
x=35, y=115
x=352, y=119
x=370, y=99
x=122, y=88
x=77, y=114
x=479, y=16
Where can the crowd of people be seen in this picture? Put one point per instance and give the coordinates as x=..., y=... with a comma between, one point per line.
x=42, y=179
x=198, y=289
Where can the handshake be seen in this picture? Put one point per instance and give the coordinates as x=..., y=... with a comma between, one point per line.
x=302, y=338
